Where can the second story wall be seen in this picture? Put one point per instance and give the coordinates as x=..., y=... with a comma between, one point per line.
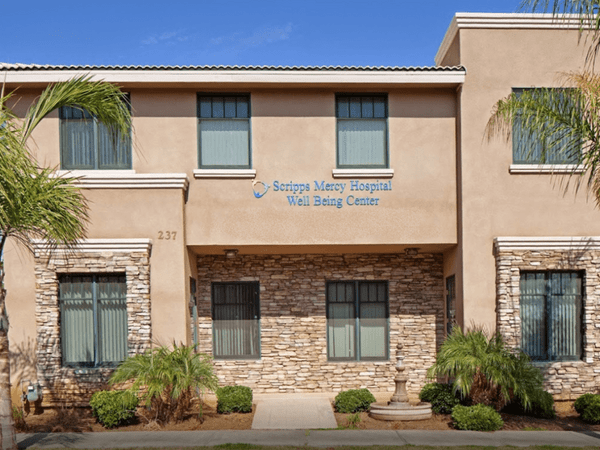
x=294, y=142
x=311, y=197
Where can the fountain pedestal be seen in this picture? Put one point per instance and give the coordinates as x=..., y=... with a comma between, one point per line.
x=398, y=408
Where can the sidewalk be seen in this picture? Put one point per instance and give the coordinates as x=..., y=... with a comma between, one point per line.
x=312, y=438
x=293, y=412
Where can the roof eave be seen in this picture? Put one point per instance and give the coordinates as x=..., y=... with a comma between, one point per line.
x=506, y=21
x=453, y=76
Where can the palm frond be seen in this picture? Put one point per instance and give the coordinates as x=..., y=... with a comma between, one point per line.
x=36, y=203
x=483, y=365
x=167, y=378
x=102, y=100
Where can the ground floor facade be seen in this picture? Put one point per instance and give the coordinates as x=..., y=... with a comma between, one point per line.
x=309, y=322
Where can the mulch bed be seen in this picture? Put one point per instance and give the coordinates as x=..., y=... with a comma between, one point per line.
x=81, y=420
x=567, y=420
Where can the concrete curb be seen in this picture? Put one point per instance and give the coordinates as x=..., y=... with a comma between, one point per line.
x=312, y=438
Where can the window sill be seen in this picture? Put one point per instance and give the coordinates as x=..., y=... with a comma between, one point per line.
x=568, y=361
x=546, y=169
x=363, y=173
x=94, y=173
x=225, y=173
x=126, y=179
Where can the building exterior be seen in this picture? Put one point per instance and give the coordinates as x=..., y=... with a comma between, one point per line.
x=297, y=223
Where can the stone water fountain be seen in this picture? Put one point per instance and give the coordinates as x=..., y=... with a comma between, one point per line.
x=398, y=408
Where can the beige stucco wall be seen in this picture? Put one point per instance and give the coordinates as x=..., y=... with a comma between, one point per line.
x=495, y=202
x=126, y=213
x=294, y=140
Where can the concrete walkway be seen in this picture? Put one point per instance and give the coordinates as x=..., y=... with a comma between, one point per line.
x=312, y=438
x=293, y=412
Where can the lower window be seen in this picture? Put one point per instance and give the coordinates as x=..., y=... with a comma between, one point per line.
x=236, y=320
x=357, y=321
x=551, y=306
x=450, y=304
x=93, y=312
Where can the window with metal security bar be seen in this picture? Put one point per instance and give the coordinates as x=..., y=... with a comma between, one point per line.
x=87, y=144
x=450, y=304
x=224, y=131
x=93, y=319
x=357, y=321
x=236, y=320
x=362, y=131
x=551, y=305
x=529, y=148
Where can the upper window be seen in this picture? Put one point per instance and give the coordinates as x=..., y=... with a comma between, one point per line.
x=551, y=315
x=93, y=318
x=87, y=144
x=224, y=132
x=528, y=148
x=357, y=321
x=236, y=317
x=361, y=131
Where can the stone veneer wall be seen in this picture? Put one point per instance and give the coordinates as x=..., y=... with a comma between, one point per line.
x=64, y=385
x=564, y=380
x=293, y=321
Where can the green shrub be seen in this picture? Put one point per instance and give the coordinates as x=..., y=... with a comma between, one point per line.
x=113, y=408
x=167, y=380
x=591, y=413
x=234, y=399
x=441, y=396
x=477, y=418
x=18, y=416
x=485, y=370
x=588, y=408
x=353, y=400
x=542, y=406
x=583, y=401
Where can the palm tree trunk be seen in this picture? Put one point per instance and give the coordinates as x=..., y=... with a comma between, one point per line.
x=7, y=426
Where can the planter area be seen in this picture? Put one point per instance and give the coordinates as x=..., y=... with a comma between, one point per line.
x=81, y=420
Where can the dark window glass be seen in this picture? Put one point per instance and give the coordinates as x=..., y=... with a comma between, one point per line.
x=87, y=144
x=361, y=131
x=236, y=320
x=93, y=312
x=224, y=132
x=551, y=306
x=357, y=320
x=450, y=303
x=529, y=148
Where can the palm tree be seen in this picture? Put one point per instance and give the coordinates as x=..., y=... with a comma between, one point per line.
x=36, y=203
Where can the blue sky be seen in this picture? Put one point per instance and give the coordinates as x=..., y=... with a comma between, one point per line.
x=233, y=32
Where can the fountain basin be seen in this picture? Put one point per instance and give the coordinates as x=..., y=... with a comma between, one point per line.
x=400, y=411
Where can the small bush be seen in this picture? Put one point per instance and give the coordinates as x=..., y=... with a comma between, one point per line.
x=234, y=399
x=19, y=418
x=113, y=408
x=588, y=407
x=582, y=402
x=353, y=400
x=476, y=418
x=591, y=414
x=441, y=396
x=542, y=406
x=353, y=421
